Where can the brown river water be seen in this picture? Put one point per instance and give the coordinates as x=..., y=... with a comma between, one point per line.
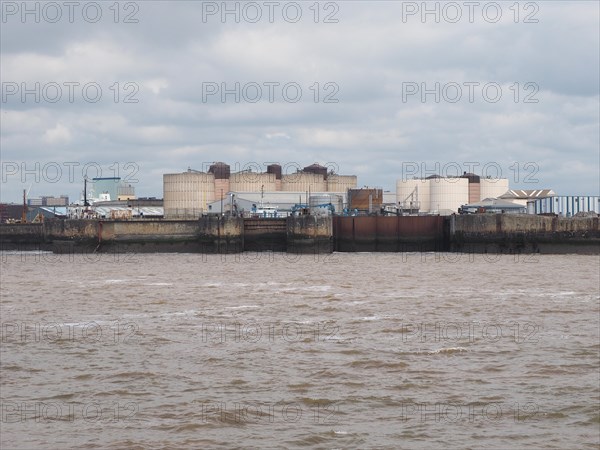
x=354, y=350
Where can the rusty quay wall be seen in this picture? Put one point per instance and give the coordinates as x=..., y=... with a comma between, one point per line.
x=389, y=234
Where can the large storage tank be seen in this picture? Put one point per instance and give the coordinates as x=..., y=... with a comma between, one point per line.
x=303, y=182
x=316, y=169
x=252, y=182
x=187, y=194
x=448, y=194
x=493, y=187
x=220, y=170
x=474, y=186
x=276, y=170
x=341, y=183
x=222, y=173
x=318, y=204
x=405, y=193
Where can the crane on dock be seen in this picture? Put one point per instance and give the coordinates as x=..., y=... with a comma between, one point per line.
x=24, y=212
x=411, y=203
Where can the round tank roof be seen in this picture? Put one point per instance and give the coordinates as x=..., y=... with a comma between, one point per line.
x=472, y=177
x=220, y=170
x=276, y=169
x=316, y=168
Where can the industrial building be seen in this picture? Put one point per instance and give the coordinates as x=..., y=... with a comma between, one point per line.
x=565, y=205
x=109, y=189
x=139, y=208
x=523, y=196
x=277, y=204
x=189, y=194
x=39, y=213
x=445, y=195
x=366, y=200
x=493, y=205
x=11, y=212
x=63, y=200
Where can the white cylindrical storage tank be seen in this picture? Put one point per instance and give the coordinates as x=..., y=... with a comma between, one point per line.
x=404, y=189
x=338, y=203
x=448, y=194
x=492, y=187
x=318, y=204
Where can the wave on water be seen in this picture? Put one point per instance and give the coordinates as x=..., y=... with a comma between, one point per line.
x=448, y=350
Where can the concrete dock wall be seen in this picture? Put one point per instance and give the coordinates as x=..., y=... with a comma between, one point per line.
x=522, y=233
x=207, y=235
x=493, y=233
x=12, y=235
x=310, y=234
x=265, y=234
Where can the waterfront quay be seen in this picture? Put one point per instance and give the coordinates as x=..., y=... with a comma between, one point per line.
x=480, y=233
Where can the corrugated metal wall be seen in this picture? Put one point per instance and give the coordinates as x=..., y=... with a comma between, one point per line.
x=567, y=206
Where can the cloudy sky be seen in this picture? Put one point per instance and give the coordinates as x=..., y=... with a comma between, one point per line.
x=383, y=90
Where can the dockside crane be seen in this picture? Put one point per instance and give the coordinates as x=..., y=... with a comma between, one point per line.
x=413, y=204
x=24, y=212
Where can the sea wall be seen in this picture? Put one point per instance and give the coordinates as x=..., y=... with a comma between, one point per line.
x=523, y=233
x=310, y=234
x=388, y=234
x=265, y=234
x=207, y=235
x=18, y=235
x=480, y=233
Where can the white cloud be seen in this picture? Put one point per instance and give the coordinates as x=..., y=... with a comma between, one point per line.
x=60, y=134
x=368, y=54
x=277, y=136
x=156, y=85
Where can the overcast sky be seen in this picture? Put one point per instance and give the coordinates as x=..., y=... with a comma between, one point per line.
x=374, y=89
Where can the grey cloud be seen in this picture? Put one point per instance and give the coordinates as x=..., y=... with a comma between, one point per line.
x=369, y=54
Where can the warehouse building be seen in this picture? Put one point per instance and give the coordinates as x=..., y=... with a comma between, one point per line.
x=189, y=194
x=277, y=204
x=523, y=196
x=565, y=205
x=63, y=200
x=493, y=205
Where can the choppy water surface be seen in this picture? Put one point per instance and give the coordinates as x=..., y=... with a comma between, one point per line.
x=276, y=351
